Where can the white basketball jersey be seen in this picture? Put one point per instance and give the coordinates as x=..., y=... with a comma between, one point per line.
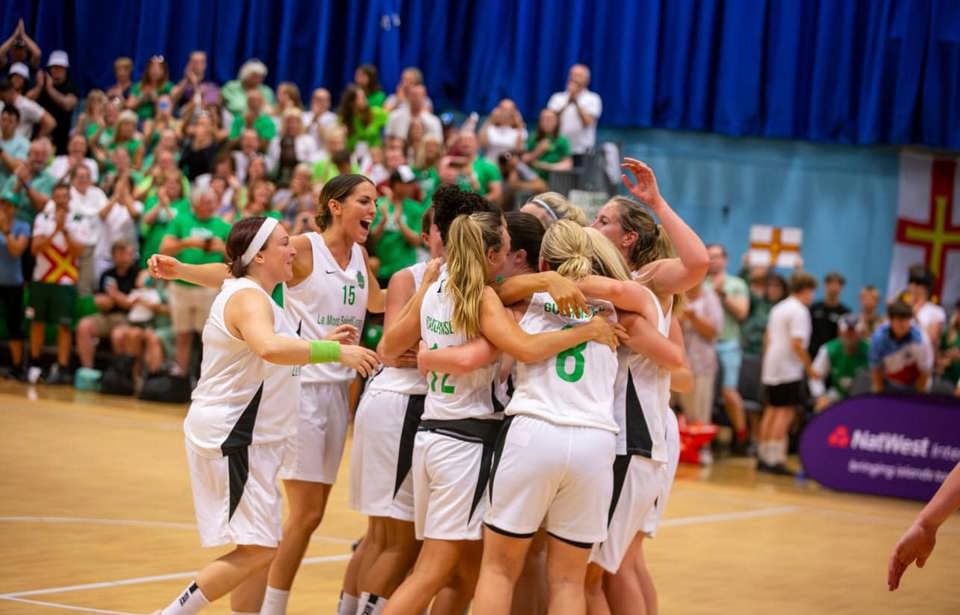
x=574, y=387
x=240, y=398
x=452, y=397
x=328, y=298
x=643, y=399
x=407, y=380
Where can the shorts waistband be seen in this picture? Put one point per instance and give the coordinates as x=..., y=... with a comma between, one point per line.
x=482, y=430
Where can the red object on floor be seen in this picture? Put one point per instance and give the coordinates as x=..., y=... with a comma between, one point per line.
x=693, y=438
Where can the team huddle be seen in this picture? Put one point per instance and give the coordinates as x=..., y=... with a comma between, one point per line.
x=514, y=443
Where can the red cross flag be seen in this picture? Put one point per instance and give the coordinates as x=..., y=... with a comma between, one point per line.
x=928, y=224
x=775, y=246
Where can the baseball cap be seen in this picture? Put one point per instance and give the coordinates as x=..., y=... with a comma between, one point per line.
x=59, y=58
x=847, y=322
x=21, y=69
x=403, y=174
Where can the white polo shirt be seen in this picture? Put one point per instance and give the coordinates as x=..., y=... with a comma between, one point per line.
x=581, y=137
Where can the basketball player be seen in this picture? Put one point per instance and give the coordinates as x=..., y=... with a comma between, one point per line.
x=244, y=409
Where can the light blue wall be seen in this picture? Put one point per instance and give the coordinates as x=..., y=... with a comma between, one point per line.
x=844, y=198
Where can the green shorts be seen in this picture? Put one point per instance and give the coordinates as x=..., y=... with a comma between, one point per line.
x=53, y=303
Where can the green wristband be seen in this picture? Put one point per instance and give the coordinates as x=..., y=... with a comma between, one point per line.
x=324, y=351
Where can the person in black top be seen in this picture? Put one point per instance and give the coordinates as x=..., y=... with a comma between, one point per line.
x=113, y=301
x=59, y=96
x=826, y=314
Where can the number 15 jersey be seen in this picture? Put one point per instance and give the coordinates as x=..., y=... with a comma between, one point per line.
x=575, y=387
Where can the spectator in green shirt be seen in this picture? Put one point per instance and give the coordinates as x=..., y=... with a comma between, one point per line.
x=396, y=227
x=367, y=78
x=254, y=117
x=363, y=122
x=547, y=149
x=949, y=356
x=250, y=78
x=154, y=83
x=125, y=136
x=162, y=206
x=484, y=176
x=196, y=237
x=30, y=181
x=13, y=147
x=837, y=363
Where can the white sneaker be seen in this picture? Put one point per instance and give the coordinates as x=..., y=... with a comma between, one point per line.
x=706, y=456
x=33, y=374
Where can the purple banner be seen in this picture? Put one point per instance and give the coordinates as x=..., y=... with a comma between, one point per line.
x=895, y=445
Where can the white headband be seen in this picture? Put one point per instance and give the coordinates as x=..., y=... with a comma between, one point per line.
x=258, y=240
x=543, y=205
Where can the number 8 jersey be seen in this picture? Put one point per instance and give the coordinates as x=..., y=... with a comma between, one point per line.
x=575, y=387
x=449, y=397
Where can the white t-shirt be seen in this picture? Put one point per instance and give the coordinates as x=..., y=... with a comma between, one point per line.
x=60, y=166
x=398, y=124
x=87, y=206
x=789, y=320
x=502, y=139
x=581, y=137
x=30, y=114
x=118, y=224
x=930, y=314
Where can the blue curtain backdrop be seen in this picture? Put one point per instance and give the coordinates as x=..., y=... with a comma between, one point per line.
x=836, y=71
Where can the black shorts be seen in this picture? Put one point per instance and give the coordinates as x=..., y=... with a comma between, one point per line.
x=785, y=394
x=11, y=308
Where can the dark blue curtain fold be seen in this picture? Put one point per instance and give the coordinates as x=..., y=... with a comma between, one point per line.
x=841, y=71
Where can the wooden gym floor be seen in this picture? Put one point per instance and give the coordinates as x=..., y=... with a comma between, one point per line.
x=96, y=517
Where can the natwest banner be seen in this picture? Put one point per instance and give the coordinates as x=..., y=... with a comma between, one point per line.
x=896, y=445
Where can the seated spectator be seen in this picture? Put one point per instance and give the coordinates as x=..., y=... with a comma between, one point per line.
x=482, y=176
x=125, y=136
x=166, y=203
x=14, y=239
x=504, y=131
x=519, y=180
x=837, y=364
x=31, y=113
x=409, y=78
x=13, y=147
x=949, y=356
x=929, y=316
x=161, y=121
x=701, y=321
x=869, y=318
x=92, y=115
x=785, y=362
x=196, y=237
x=200, y=149
x=367, y=78
x=121, y=167
x=223, y=169
x=194, y=86
x=56, y=245
x=146, y=339
x=19, y=47
x=547, y=149
x=398, y=124
x=319, y=117
x=250, y=78
x=256, y=117
x=123, y=78
x=900, y=357
x=549, y=207
x=154, y=83
x=579, y=110
x=76, y=155
x=113, y=300
x=827, y=313
x=396, y=227
x=298, y=200
x=86, y=203
x=363, y=122
x=31, y=182
x=291, y=147
x=58, y=95
x=164, y=163
x=288, y=97
x=260, y=202
x=120, y=217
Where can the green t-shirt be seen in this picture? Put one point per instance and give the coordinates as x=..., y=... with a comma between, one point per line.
x=394, y=251
x=186, y=225
x=42, y=183
x=559, y=149
x=263, y=124
x=843, y=366
x=377, y=98
x=753, y=328
x=952, y=372
x=152, y=234
x=733, y=287
x=368, y=133
x=325, y=170
x=146, y=108
x=487, y=173
x=235, y=97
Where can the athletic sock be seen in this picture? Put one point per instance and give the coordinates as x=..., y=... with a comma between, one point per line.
x=347, y=605
x=275, y=601
x=781, y=450
x=765, y=453
x=190, y=602
x=370, y=604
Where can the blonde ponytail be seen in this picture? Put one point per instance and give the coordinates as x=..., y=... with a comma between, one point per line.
x=468, y=240
x=566, y=250
x=607, y=260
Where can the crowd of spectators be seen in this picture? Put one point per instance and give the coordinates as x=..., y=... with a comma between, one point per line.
x=164, y=159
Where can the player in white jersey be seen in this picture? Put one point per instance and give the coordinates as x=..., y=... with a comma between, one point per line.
x=648, y=250
x=454, y=446
x=384, y=429
x=243, y=410
x=331, y=290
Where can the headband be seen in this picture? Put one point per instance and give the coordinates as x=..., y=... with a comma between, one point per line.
x=258, y=240
x=547, y=208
